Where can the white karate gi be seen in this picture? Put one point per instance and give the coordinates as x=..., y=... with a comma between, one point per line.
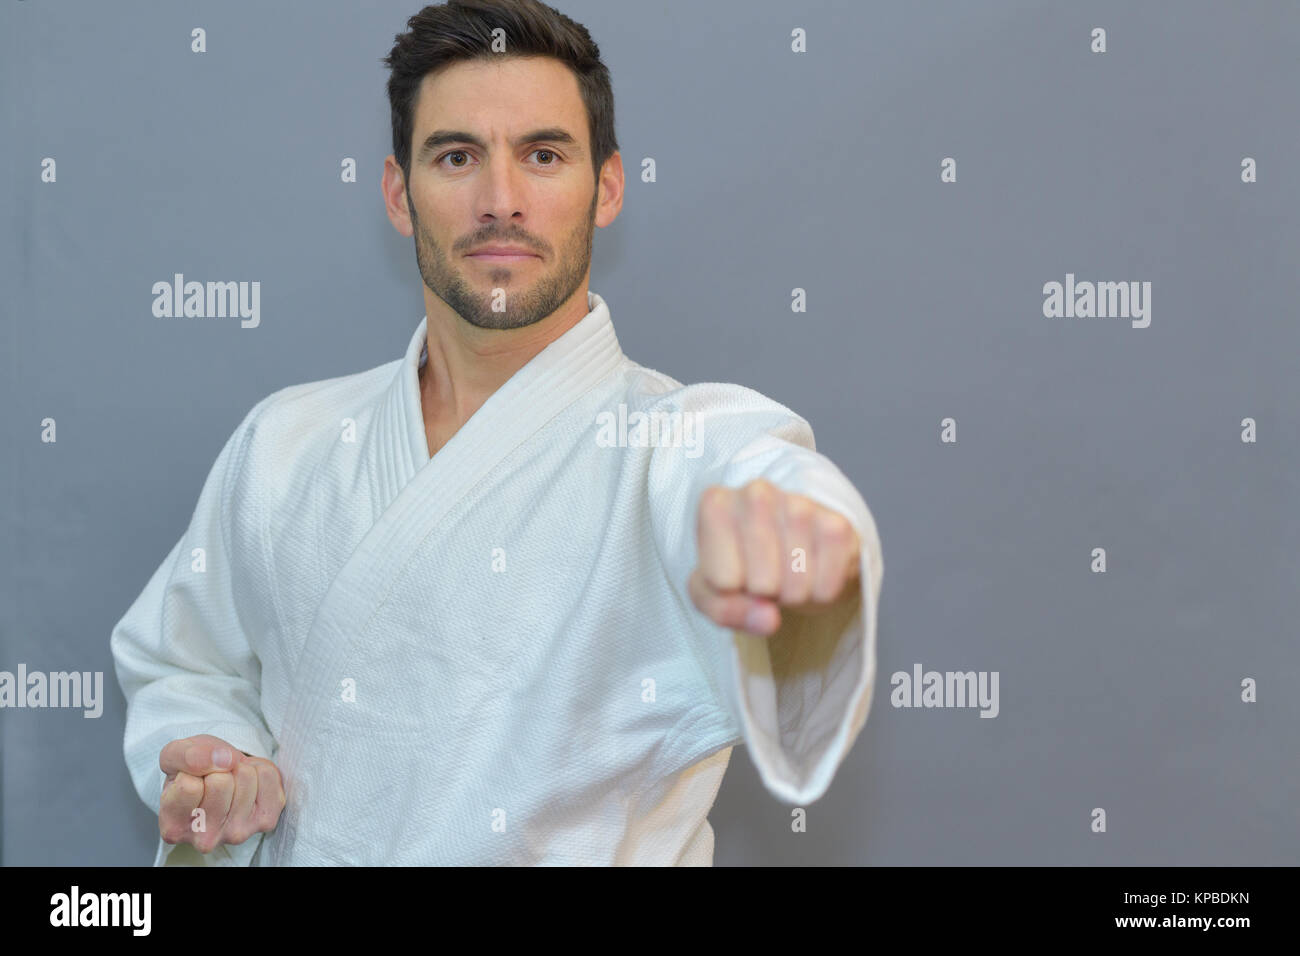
x=490, y=656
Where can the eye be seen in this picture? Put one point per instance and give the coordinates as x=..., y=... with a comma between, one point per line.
x=554, y=157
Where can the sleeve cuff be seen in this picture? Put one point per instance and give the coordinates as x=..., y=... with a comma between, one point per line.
x=247, y=740
x=803, y=693
x=182, y=854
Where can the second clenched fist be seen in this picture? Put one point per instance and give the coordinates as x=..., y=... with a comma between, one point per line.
x=236, y=795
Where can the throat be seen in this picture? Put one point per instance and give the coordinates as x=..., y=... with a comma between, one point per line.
x=438, y=429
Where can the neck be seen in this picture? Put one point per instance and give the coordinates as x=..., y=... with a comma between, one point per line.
x=467, y=364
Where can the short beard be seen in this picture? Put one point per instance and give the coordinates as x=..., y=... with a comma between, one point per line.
x=522, y=308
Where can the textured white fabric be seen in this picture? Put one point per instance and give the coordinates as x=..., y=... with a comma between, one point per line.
x=500, y=610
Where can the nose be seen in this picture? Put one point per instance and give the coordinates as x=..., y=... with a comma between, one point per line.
x=502, y=192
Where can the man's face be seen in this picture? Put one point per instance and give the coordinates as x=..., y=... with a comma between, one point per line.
x=510, y=187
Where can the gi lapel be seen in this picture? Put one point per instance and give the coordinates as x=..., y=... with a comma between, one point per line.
x=416, y=492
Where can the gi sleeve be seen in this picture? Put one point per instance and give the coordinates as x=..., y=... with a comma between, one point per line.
x=182, y=651
x=800, y=696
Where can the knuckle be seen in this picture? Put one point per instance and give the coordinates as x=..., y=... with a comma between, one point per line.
x=833, y=527
x=799, y=507
x=268, y=778
x=720, y=575
x=715, y=503
x=759, y=495
x=203, y=842
x=715, y=496
x=220, y=784
x=798, y=515
x=186, y=788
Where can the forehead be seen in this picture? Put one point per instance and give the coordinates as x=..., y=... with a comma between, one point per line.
x=501, y=95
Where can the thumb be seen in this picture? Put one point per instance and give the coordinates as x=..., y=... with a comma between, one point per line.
x=199, y=755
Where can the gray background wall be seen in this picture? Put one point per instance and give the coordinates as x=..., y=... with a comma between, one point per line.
x=776, y=170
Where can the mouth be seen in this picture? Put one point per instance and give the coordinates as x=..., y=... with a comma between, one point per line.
x=492, y=257
x=502, y=254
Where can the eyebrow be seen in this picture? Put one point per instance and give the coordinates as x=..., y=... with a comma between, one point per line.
x=444, y=137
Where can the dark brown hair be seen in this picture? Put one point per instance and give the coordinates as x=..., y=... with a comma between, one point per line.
x=461, y=30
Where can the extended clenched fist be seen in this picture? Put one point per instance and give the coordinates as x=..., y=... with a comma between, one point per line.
x=762, y=549
x=237, y=795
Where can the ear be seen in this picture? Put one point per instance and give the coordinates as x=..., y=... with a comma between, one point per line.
x=609, y=188
x=395, y=198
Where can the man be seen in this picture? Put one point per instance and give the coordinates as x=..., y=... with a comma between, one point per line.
x=513, y=597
